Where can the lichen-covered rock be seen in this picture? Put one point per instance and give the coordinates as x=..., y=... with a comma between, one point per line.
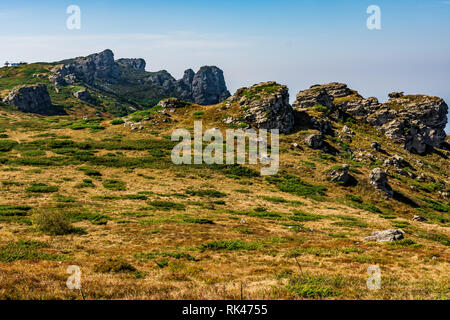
x=386, y=235
x=31, y=98
x=378, y=178
x=311, y=97
x=266, y=106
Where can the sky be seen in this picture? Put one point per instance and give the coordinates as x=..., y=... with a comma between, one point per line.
x=294, y=42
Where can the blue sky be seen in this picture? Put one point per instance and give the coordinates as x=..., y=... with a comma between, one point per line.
x=297, y=43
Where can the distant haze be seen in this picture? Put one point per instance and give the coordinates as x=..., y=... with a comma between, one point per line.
x=297, y=43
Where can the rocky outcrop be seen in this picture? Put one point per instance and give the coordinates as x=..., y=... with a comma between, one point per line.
x=378, y=178
x=135, y=64
x=31, y=98
x=87, y=69
x=205, y=87
x=208, y=86
x=266, y=106
x=417, y=122
x=386, y=235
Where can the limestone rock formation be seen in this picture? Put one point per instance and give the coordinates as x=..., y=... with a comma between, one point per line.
x=266, y=106
x=31, y=98
x=386, y=235
x=378, y=178
x=205, y=87
x=417, y=122
x=208, y=86
x=135, y=64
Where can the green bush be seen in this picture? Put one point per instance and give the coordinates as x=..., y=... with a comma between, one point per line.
x=114, y=266
x=53, y=223
x=115, y=185
x=36, y=187
x=7, y=145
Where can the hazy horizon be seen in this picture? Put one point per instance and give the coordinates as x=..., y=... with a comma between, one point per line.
x=296, y=43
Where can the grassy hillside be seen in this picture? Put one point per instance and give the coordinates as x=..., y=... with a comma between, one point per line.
x=109, y=199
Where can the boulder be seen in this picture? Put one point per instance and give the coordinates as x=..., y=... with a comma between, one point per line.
x=378, y=178
x=85, y=96
x=340, y=175
x=386, y=235
x=31, y=98
x=397, y=162
x=418, y=218
x=314, y=141
x=266, y=106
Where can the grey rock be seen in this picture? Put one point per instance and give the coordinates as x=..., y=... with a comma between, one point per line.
x=340, y=175
x=314, y=141
x=378, y=178
x=269, y=110
x=31, y=98
x=85, y=96
x=398, y=162
x=208, y=86
x=135, y=64
x=347, y=130
x=386, y=235
x=418, y=218
x=311, y=97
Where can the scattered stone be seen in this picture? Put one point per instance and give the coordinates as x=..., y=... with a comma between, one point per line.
x=314, y=141
x=340, y=175
x=378, y=178
x=386, y=235
x=418, y=218
x=347, y=130
x=398, y=162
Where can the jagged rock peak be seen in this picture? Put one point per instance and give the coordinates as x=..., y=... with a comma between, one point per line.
x=266, y=106
x=208, y=86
